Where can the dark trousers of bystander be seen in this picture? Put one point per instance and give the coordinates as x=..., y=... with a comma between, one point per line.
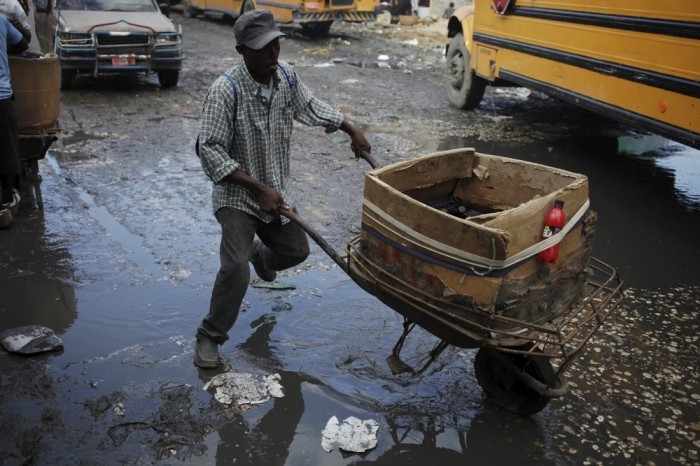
x=403, y=7
x=10, y=167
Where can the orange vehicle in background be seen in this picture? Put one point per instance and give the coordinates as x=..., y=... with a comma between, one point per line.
x=314, y=16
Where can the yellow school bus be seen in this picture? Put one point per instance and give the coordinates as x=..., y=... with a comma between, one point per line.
x=634, y=60
x=315, y=16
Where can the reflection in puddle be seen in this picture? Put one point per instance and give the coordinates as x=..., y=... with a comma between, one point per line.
x=131, y=243
x=681, y=163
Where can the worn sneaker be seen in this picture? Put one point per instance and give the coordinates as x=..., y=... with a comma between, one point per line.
x=206, y=353
x=13, y=205
x=6, y=219
x=264, y=274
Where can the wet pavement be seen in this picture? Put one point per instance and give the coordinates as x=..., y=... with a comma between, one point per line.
x=121, y=259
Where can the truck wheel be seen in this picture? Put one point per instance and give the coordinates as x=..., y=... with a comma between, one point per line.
x=67, y=77
x=168, y=78
x=316, y=29
x=464, y=88
x=505, y=389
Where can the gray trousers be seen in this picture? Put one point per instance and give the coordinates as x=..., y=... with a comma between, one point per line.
x=286, y=246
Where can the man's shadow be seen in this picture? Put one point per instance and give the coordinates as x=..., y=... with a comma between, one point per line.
x=268, y=441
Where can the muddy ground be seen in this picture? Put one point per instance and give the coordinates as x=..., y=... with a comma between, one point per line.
x=121, y=260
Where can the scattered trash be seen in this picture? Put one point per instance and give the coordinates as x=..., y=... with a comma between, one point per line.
x=280, y=307
x=30, y=339
x=456, y=206
x=119, y=409
x=353, y=435
x=274, y=285
x=323, y=65
x=383, y=57
x=384, y=18
x=239, y=388
x=318, y=51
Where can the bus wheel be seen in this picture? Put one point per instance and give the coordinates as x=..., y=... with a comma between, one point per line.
x=248, y=5
x=317, y=29
x=192, y=11
x=464, y=88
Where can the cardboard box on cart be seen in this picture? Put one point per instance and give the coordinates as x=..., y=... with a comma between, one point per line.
x=467, y=261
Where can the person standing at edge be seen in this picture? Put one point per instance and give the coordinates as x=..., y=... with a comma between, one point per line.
x=11, y=42
x=244, y=145
x=17, y=15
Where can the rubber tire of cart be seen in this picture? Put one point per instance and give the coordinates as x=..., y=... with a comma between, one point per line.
x=508, y=392
x=464, y=88
x=67, y=77
x=168, y=78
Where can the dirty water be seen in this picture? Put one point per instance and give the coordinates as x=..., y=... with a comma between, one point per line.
x=120, y=263
x=124, y=390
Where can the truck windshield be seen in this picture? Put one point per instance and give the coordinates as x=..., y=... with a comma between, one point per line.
x=107, y=5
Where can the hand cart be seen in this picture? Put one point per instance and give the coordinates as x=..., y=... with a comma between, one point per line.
x=528, y=319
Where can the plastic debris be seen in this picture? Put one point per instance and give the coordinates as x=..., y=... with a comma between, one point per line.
x=353, y=435
x=30, y=339
x=239, y=388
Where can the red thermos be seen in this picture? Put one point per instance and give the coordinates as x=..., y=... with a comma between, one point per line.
x=553, y=223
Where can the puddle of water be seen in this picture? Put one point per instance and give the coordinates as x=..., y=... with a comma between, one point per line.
x=131, y=244
x=78, y=136
x=645, y=190
x=30, y=299
x=329, y=339
x=679, y=164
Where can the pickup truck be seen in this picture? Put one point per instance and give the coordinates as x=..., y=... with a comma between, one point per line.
x=107, y=37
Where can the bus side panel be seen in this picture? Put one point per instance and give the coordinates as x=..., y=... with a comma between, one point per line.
x=652, y=103
x=223, y=7
x=283, y=10
x=595, y=57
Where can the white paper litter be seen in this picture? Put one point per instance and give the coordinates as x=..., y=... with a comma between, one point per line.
x=239, y=388
x=352, y=435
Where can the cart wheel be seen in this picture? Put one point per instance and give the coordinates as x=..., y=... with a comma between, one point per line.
x=505, y=389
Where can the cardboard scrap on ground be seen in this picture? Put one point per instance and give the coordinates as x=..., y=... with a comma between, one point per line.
x=352, y=435
x=239, y=388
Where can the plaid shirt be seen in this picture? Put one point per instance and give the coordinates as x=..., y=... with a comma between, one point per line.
x=255, y=139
